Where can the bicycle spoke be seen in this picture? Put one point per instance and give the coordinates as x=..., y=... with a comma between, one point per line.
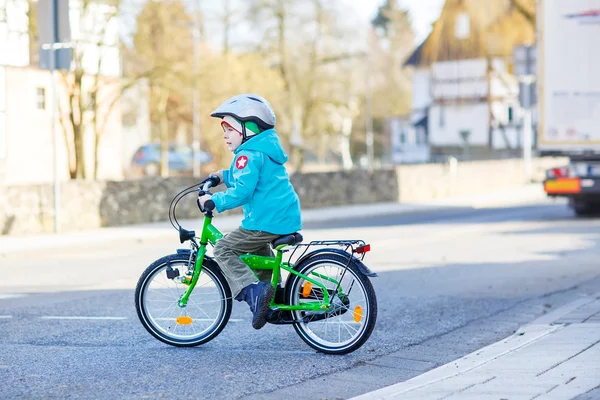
x=205, y=307
x=157, y=292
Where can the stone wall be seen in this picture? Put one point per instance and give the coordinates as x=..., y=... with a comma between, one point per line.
x=87, y=204
x=433, y=181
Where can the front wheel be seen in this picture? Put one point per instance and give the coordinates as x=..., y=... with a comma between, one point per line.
x=353, y=312
x=157, y=298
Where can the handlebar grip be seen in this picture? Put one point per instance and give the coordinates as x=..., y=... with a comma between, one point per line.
x=214, y=180
x=209, y=205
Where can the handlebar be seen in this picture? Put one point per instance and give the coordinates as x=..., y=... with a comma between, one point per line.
x=204, y=186
x=211, y=181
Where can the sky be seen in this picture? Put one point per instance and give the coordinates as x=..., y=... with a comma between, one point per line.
x=422, y=12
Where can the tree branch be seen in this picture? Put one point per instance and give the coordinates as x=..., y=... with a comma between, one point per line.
x=520, y=7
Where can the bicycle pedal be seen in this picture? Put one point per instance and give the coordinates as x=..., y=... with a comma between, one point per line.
x=279, y=317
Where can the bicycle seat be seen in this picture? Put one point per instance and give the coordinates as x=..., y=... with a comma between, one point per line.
x=292, y=239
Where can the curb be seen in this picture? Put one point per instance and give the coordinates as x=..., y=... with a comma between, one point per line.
x=163, y=229
x=526, y=194
x=525, y=335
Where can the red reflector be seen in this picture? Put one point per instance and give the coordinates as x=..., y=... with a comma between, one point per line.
x=559, y=172
x=363, y=249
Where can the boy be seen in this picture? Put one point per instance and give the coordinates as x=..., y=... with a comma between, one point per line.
x=258, y=181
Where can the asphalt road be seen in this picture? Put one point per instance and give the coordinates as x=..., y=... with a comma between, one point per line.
x=449, y=283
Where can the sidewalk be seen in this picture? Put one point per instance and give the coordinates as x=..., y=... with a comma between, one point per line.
x=518, y=195
x=555, y=357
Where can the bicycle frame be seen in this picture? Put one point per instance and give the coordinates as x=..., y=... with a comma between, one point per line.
x=210, y=234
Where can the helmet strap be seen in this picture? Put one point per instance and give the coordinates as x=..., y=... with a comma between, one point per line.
x=244, y=136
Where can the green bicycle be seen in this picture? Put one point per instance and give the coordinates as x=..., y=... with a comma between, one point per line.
x=184, y=300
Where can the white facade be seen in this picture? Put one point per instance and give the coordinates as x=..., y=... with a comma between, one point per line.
x=94, y=25
x=26, y=146
x=421, y=93
x=14, y=38
x=463, y=102
x=409, y=144
x=95, y=30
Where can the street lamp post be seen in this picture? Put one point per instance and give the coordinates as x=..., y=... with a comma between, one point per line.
x=54, y=34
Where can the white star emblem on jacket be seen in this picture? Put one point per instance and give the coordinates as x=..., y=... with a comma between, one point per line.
x=241, y=162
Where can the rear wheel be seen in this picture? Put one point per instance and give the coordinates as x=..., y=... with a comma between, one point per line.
x=157, y=297
x=353, y=313
x=584, y=208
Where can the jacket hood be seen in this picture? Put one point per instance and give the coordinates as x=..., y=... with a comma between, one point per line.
x=266, y=142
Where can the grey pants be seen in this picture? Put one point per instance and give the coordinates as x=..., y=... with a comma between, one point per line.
x=229, y=249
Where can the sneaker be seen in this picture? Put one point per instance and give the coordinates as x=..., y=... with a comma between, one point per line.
x=258, y=296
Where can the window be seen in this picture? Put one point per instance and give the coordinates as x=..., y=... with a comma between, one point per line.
x=40, y=99
x=462, y=26
x=510, y=114
x=442, y=117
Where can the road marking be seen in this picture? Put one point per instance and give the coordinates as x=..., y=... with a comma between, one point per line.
x=10, y=296
x=94, y=318
x=5, y=316
x=197, y=319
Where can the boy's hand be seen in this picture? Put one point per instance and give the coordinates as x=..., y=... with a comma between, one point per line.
x=218, y=173
x=204, y=199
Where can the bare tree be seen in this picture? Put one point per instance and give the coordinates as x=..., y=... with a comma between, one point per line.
x=163, y=43
x=82, y=85
x=312, y=54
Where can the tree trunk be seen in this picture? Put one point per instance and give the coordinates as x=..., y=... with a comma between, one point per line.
x=64, y=123
x=97, y=132
x=76, y=118
x=226, y=26
x=345, y=143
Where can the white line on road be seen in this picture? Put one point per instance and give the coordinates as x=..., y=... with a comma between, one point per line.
x=5, y=316
x=198, y=319
x=98, y=318
x=10, y=296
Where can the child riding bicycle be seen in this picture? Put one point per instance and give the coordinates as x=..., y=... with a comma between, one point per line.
x=258, y=181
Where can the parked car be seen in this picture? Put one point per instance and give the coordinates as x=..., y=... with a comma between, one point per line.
x=146, y=160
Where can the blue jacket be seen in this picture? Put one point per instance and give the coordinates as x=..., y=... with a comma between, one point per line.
x=258, y=181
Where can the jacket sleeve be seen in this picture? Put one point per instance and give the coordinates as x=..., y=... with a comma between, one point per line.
x=226, y=178
x=243, y=182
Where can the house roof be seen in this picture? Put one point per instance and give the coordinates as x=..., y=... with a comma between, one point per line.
x=495, y=28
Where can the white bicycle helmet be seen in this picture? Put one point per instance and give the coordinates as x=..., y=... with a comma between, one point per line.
x=248, y=107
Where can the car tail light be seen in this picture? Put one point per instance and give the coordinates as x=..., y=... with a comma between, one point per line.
x=563, y=172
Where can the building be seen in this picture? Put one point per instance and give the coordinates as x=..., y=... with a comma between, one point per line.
x=27, y=101
x=465, y=97
x=408, y=142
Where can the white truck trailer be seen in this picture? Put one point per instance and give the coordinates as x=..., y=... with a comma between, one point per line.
x=568, y=59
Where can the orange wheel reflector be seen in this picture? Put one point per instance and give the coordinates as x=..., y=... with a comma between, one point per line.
x=306, y=289
x=184, y=320
x=357, y=313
